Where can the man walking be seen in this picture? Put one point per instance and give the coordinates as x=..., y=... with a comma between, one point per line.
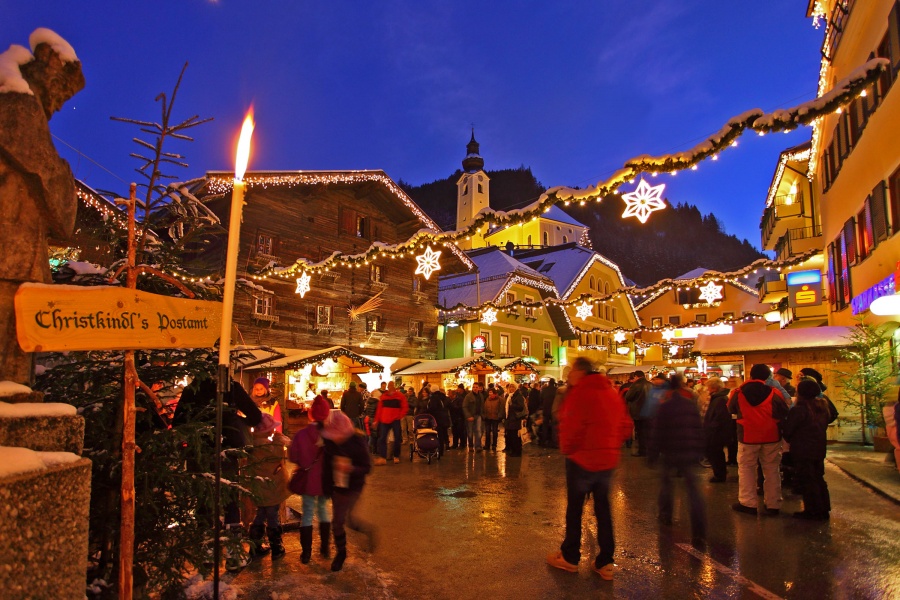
x=548, y=394
x=472, y=407
x=759, y=410
x=636, y=396
x=353, y=405
x=392, y=406
x=593, y=424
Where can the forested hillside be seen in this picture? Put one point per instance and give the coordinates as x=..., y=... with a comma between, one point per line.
x=672, y=242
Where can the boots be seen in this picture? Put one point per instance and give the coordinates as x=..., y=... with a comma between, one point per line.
x=340, y=542
x=258, y=546
x=235, y=556
x=325, y=535
x=306, y=543
x=274, y=534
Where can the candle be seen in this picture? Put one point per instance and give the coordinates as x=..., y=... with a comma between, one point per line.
x=234, y=236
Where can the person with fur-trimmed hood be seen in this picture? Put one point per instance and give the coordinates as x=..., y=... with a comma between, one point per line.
x=344, y=474
x=759, y=409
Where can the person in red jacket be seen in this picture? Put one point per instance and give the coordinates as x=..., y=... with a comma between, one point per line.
x=593, y=424
x=392, y=407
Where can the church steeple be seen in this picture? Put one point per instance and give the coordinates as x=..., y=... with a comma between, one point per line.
x=473, y=161
x=472, y=194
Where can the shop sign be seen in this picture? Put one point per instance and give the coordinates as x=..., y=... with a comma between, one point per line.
x=479, y=343
x=804, y=288
x=689, y=333
x=71, y=317
x=885, y=287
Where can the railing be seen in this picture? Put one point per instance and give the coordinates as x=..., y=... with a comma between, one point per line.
x=837, y=23
x=787, y=245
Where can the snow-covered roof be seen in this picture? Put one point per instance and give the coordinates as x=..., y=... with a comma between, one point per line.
x=567, y=264
x=693, y=274
x=776, y=339
x=495, y=267
x=446, y=365
x=557, y=214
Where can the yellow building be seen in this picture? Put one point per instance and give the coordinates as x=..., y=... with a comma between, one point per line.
x=855, y=160
x=698, y=302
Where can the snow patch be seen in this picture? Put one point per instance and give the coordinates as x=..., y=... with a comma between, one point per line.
x=11, y=79
x=36, y=409
x=198, y=589
x=14, y=461
x=85, y=268
x=10, y=388
x=42, y=35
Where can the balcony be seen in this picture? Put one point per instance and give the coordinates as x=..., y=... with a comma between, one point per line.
x=798, y=241
x=805, y=316
x=785, y=212
x=772, y=291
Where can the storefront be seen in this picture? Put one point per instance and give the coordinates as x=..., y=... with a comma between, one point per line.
x=447, y=373
x=515, y=370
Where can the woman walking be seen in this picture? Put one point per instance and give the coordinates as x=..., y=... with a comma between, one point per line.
x=307, y=451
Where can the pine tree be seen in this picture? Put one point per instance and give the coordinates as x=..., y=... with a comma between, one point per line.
x=173, y=481
x=866, y=385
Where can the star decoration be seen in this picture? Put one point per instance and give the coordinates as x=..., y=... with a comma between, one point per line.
x=643, y=201
x=619, y=337
x=428, y=262
x=489, y=316
x=673, y=349
x=302, y=285
x=584, y=311
x=711, y=292
x=668, y=334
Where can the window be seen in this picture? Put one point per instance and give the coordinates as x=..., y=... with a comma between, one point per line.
x=374, y=324
x=546, y=239
x=728, y=315
x=591, y=282
x=529, y=310
x=353, y=223
x=487, y=341
x=480, y=189
x=510, y=297
x=416, y=329
x=606, y=312
x=700, y=318
x=675, y=320
x=529, y=240
x=864, y=231
x=656, y=322
x=606, y=288
x=324, y=315
x=839, y=292
x=418, y=285
x=526, y=346
x=565, y=239
x=264, y=305
x=878, y=209
x=504, y=344
x=376, y=273
x=894, y=185
x=265, y=244
x=612, y=314
x=850, y=240
x=548, y=349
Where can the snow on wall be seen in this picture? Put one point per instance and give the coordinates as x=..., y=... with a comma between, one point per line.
x=36, y=409
x=14, y=461
x=10, y=388
x=11, y=79
x=42, y=35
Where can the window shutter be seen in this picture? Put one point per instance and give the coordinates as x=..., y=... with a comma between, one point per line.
x=845, y=272
x=879, y=212
x=894, y=34
x=850, y=241
x=832, y=281
x=895, y=200
x=348, y=221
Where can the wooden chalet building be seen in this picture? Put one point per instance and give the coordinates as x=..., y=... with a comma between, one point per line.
x=311, y=215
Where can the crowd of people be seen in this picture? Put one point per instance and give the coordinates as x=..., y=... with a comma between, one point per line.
x=774, y=432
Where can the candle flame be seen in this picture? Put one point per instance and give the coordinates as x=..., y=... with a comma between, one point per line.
x=243, y=149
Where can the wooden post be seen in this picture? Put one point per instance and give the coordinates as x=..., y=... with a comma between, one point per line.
x=126, y=532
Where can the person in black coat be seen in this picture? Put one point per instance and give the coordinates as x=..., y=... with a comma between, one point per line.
x=677, y=435
x=457, y=418
x=437, y=408
x=805, y=429
x=344, y=471
x=548, y=394
x=718, y=428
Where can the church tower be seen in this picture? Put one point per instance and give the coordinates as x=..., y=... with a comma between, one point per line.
x=472, y=194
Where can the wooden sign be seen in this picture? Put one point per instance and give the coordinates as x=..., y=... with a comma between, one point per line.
x=71, y=317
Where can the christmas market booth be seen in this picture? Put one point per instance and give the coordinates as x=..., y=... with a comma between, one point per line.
x=518, y=370
x=449, y=372
x=792, y=349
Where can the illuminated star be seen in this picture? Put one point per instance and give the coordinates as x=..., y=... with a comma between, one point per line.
x=668, y=334
x=673, y=349
x=643, y=201
x=619, y=337
x=711, y=292
x=584, y=311
x=302, y=285
x=428, y=262
x=489, y=316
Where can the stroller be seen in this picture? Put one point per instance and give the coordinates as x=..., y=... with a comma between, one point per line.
x=426, y=443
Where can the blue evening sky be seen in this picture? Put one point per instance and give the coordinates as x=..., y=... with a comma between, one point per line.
x=570, y=89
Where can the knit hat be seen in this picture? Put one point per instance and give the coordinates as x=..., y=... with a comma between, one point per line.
x=262, y=381
x=338, y=427
x=320, y=409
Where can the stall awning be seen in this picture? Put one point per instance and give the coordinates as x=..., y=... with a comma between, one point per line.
x=808, y=338
x=475, y=365
x=297, y=359
x=515, y=365
x=629, y=369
